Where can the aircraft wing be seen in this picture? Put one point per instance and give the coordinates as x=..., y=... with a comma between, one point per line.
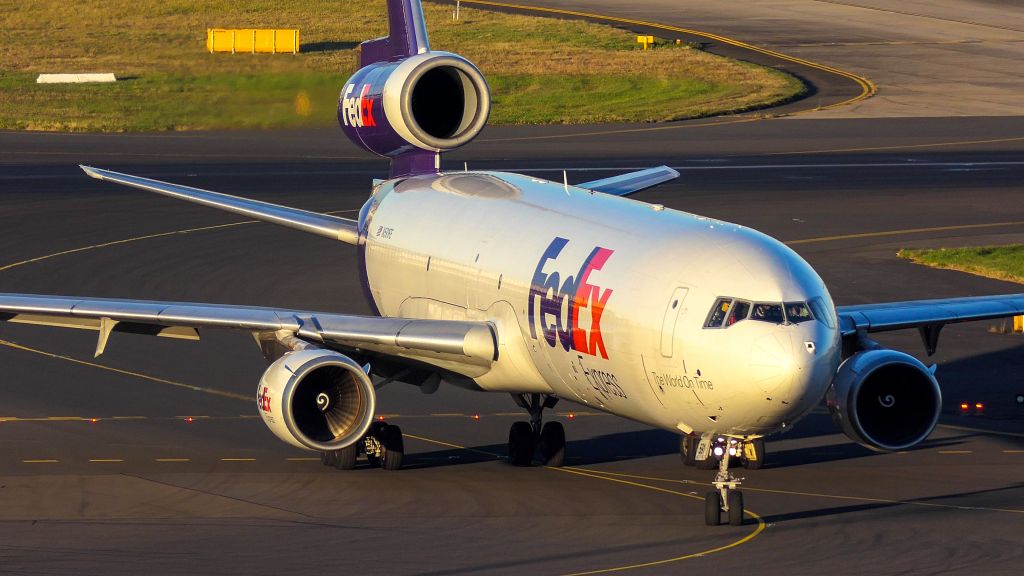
x=468, y=348
x=928, y=316
x=631, y=182
x=332, y=227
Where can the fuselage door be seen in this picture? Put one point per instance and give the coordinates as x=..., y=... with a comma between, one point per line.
x=668, y=325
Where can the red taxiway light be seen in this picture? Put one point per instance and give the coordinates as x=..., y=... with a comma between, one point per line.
x=188, y=419
x=476, y=416
x=964, y=406
x=572, y=415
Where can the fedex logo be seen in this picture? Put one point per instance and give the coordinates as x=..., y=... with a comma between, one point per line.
x=357, y=111
x=556, y=304
x=263, y=399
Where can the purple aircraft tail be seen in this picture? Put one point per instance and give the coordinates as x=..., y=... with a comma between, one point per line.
x=407, y=35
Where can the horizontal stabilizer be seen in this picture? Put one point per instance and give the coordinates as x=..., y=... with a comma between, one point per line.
x=332, y=227
x=632, y=182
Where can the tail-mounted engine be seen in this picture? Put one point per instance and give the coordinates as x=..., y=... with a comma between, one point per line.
x=316, y=399
x=885, y=400
x=408, y=103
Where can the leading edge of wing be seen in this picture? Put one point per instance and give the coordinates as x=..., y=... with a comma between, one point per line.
x=915, y=313
x=431, y=341
x=326, y=225
x=631, y=182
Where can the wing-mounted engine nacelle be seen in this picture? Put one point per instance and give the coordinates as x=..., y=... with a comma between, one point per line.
x=885, y=400
x=316, y=399
x=433, y=102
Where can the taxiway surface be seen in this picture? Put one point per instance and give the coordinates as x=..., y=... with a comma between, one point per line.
x=144, y=489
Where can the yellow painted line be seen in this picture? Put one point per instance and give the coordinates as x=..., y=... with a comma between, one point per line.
x=106, y=460
x=760, y=527
x=205, y=390
x=446, y=414
x=138, y=238
x=448, y=444
x=904, y=232
x=65, y=418
x=40, y=461
x=899, y=146
x=982, y=430
x=237, y=459
x=813, y=494
x=124, y=241
x=1013, y=451
x=173, y=459
x=303, y=459
x=956, y=451
x=128, y=417
x=581, y=472
x=868, y=88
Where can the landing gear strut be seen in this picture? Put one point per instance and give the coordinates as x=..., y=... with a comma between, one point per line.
x=383, y=446
x=525, y=437
x=726, y=497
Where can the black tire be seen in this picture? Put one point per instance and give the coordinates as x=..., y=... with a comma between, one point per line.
x=520, y=444
x=688, y=450
x=327, y=458
x=345, y=459
x=735, y=508
x=709, y=463
x=552, y=444
x=375, y=431
x=759, y=451
x=713, y=508
x=393, y=447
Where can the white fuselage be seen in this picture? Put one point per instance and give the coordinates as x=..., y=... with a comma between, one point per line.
x=605, y=300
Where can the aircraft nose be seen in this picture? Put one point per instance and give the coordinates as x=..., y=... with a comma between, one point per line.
x=789, y=365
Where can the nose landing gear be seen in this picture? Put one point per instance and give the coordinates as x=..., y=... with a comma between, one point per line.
x=526, y=437
x=726, y=497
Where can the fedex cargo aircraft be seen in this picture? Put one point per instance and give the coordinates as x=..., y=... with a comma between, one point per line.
x=545, y=291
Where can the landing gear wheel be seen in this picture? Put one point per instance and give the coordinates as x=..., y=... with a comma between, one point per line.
x=552, y=444
x=371, y=442
x=735, y=508
x=758, y=461
x=327, y=458
x=392, y=447
x=344, y=459
x=712, y=508
x=520, y=444
x=709, y=463
x=688, y=450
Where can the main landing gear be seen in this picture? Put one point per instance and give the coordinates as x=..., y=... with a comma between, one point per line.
x=705, y=453
x=524, y=438
x=383, y=446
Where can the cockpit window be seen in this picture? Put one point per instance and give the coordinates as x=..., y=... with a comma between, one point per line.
x=764, y=312
x=821, y=312
x=740, y=309
x=719, y=313
x=797, y=312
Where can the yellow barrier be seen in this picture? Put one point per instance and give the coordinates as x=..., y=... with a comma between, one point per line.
x=1018, y=324
x=252, y=41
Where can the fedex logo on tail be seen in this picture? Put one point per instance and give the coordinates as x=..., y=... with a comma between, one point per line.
x=556, y=304
x=357, y=111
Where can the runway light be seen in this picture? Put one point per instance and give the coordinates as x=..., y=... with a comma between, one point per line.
x=380, y=418
x=188, y=419
x=979, y=407
x=476, y=416
x=572, y=415
x=93, y=420
x=964, y=406
x=1020, y=399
